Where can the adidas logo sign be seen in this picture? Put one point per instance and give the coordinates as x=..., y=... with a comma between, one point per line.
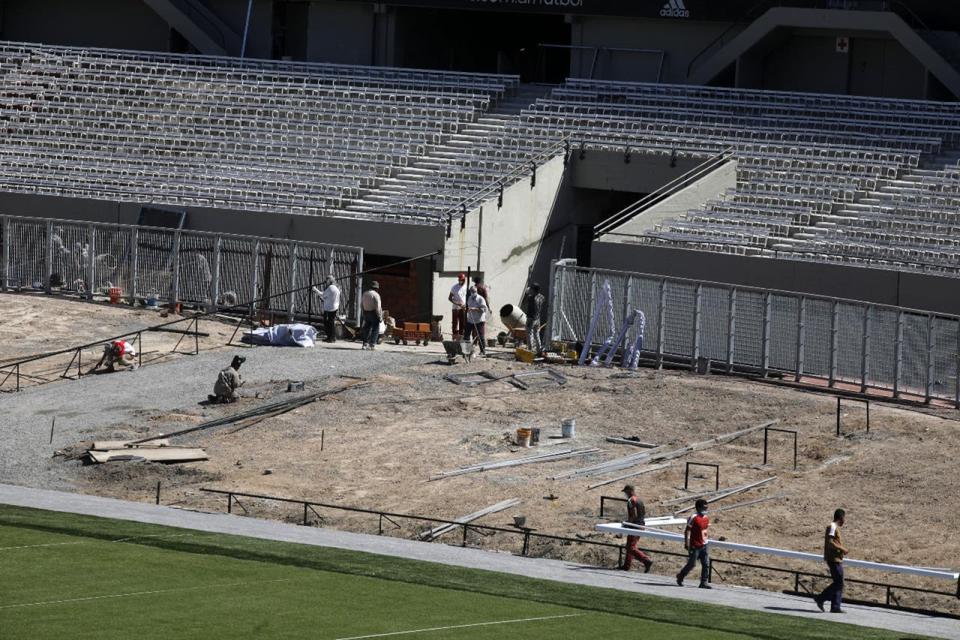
x=674, y=9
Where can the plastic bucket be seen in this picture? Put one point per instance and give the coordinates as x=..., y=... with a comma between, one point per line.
x=114, y=295
x=152, y=301
x=534, y=435
x=568, y=428
x=523, y=436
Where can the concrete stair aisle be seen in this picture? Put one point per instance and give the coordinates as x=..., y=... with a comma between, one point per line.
x=475, y=150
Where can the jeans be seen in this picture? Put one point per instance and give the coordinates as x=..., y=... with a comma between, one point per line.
x=533, y=336
x=834, y=593
x=701, y=554
x=330, y=325
x=371, y=328
x=478, y=329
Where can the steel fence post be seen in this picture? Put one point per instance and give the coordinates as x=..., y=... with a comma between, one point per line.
x=134, y=256
x=48, y=260
x=697, y=316
x=215, y=281
x=254, y=275
x=292, y=279
x=765, y=337
x=91, y=261
x=5, y=283
x=834, y=344
x=175, y=270
x=731, y=327
x=898, y=355
x=661, y=319
x=865, y=350
x=801, y=336
x=928, y=387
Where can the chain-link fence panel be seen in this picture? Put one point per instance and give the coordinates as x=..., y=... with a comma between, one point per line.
x=196, y=267
x=69, y=257
x=913, y=370
x=111, y=264
x=27, y=247
x=714, y=322
x=882, y=348
x=849, y=356
x=236, y=271
x=784, y=326
x=155, y=263
x=827, y=335
x=748, y=328
x=679, y=318
x=817, y=337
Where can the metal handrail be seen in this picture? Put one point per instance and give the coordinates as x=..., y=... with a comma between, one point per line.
x=529, y=534
x=505, y=180
x=663, y=192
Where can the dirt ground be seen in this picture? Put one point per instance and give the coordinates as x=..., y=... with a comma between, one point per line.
x=377, y=447
x=33, y=324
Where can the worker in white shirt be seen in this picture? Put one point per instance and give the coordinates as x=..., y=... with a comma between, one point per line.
x=330, y=301
x=458, y=297
x=477, y=318
x=372, y=316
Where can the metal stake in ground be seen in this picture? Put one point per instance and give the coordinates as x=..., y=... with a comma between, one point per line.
x=53, y=424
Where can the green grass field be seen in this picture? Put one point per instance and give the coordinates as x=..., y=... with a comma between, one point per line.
x=66, y=576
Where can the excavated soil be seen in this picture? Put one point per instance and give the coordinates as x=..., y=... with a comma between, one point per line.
x=377, y=447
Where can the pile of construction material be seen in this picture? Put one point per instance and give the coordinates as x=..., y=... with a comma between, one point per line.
x=158, y=450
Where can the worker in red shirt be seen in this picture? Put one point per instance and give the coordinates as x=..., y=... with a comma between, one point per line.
x=636, y=514
x=695, y=542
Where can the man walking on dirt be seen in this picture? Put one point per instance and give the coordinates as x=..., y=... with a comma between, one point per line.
x=833, y=552
x=695, y=542
x=636, y=514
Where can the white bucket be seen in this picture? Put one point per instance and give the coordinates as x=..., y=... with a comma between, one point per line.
x=568, y=428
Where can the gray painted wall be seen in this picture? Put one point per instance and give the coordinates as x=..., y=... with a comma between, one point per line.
x=381, y=238
x=341, y=32
x=680, y=38
x=607, y=171
x=131, y=24
x=913, y=290
x=874, y=66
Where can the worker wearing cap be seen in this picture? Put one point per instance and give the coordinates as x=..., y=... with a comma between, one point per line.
x=330, y=301
x=636, y=514
x=458, y=297
x=372, y=316
x=695, y=542
x=227, y=386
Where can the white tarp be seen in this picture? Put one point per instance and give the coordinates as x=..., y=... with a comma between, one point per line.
x=283, y=335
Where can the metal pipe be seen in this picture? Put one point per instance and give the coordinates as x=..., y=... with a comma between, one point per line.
x=246, y=30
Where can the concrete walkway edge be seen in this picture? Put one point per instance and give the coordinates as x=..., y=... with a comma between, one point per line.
x=556, y=570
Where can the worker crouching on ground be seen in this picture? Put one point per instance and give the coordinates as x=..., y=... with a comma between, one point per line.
x=695, y=542
x=117, y=354
x=227, y=387
x=636, y=514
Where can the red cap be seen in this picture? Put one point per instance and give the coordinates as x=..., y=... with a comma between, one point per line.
x=461, y=277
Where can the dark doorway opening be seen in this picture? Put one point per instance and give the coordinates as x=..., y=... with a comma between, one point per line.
x=483, y=41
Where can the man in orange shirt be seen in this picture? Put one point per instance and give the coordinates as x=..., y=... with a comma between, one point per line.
x=695, y=542
x=636, y=514
x=833, y=552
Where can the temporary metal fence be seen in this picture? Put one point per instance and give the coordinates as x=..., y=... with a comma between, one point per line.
x=209, y=270
x=847, y=344
x=803, y=582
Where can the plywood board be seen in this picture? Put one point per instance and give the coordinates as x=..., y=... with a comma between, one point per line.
x=165, y=454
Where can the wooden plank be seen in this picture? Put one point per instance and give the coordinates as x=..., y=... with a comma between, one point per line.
x=106, y=445
x=164, y=454
x=436, y=532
